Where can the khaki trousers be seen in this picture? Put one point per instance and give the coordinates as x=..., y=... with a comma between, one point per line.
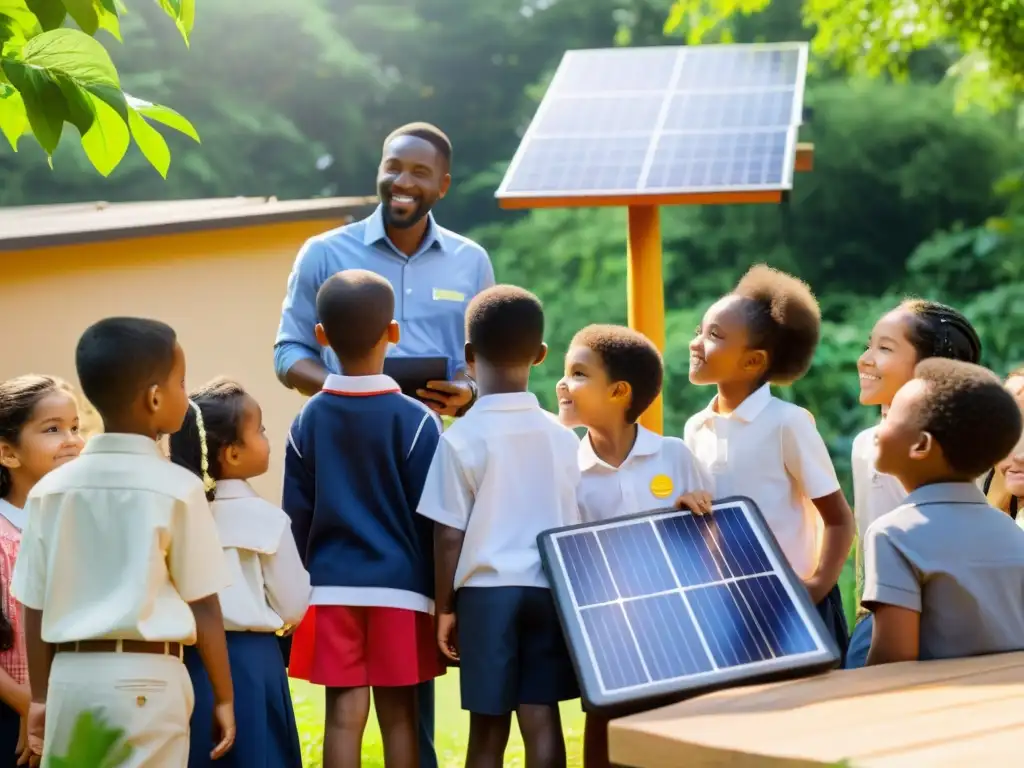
x=148, y=696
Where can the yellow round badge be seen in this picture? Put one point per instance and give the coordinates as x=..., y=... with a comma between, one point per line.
x=661, y=486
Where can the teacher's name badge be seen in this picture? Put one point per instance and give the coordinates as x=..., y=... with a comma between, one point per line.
x=443, y=294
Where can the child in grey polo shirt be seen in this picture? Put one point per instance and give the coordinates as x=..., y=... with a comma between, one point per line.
x=944, y=572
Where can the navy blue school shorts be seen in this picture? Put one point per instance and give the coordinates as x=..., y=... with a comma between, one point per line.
x=511, y=650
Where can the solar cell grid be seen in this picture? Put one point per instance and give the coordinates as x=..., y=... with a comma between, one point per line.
x=734, y=159
x=699, y=119
x=671, y=602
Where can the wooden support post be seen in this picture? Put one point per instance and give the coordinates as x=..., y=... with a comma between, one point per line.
x=646, y=289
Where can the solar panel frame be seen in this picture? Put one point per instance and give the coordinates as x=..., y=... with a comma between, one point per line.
x=620, y=700
x=668, y=92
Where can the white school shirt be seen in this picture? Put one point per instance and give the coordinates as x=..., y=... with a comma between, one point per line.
x=269, y=586
x=874, y=494
x=503, y=473
x=769, y=451
x=655, y=473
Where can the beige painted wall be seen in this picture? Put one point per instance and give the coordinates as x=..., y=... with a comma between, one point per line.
x=220, y=290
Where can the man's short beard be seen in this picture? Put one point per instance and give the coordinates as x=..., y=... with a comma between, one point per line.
x=421, y=212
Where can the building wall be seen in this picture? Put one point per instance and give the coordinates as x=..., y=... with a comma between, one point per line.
x=220, y=290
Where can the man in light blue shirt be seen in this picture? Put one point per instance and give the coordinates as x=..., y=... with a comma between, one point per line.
x=434, y=272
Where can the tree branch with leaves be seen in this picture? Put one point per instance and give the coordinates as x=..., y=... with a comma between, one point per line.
x=878, y=36
x=52, y=74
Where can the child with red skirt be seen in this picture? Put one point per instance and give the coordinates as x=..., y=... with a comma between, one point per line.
x=355, y=463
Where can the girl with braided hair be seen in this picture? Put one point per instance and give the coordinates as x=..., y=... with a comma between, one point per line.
x=38, y=433
x=913, y=331
x=222, y=441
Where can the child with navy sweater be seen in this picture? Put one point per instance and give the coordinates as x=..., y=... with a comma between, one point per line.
x=355, y=463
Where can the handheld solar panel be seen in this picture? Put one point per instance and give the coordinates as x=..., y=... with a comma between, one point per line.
x=665, y=605
x=664, y=120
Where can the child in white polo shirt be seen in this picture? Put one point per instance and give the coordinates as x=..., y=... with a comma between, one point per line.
x=502, y=474
x=764, y=448
x=612, y=375
x=120, y=564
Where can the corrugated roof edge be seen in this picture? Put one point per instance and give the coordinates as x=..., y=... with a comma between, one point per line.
x=41, y=226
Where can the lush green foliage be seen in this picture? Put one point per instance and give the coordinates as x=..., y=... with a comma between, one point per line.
x=877, y=36
x=51, y=74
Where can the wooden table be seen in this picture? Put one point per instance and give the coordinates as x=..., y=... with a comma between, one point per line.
x=964, y=712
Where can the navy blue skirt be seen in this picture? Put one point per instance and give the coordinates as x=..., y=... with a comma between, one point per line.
x=267, y=735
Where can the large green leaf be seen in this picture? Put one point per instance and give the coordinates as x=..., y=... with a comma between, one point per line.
x=163, y=115
x=93, y=15
x=13, y=120
x=73, y=54
x=60, y=74
x=45, y=104
x=108, y=13
x=150, y=142
x=17, y=22
x=107, y=139
x=50, y=13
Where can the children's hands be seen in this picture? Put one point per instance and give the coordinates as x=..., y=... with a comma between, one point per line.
x=446, y=638
x=698, y=502
x=35, y=727
x=224, y=726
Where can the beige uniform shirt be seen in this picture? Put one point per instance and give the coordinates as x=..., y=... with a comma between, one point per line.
x=269, y=586
x=117, y=543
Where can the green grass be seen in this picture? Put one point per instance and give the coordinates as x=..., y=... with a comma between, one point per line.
x=452, y=723
x=451, y=728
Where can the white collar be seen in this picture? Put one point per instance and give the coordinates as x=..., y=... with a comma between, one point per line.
x=748, y=410
x=16, y=517
x=360, y=386
x=647, y=443
x=234, y=489
x=506, y=401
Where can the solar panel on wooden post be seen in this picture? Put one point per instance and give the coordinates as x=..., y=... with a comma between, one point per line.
x=646, y=127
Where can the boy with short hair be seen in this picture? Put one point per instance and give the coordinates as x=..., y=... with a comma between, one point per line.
x=612, y=375
x=503, y=473
x=355, y=462
x=120, y=563
x=944, y=572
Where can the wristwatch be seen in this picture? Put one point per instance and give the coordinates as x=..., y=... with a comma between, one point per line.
x=475, y=394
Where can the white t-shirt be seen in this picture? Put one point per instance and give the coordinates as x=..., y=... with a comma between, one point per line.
x=655, y=473
x=874, y=494
x=503, y=473
x=769, y=451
